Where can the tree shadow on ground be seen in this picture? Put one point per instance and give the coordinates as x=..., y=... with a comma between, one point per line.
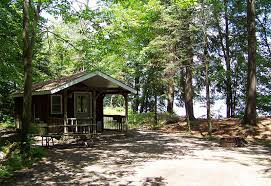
x=113, y=156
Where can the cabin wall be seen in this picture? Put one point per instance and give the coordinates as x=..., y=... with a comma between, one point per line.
x=70, y=110
x=41, y=104
x=40, y=107
x=99, y=109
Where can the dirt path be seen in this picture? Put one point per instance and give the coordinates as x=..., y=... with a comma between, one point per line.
x=150, y=158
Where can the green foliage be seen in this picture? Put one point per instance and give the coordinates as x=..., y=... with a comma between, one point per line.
x=139, y=120
x=35, y=129
x=266, y=143
x=36, y=153
x=6, y=121
x=4, y=171
x=17, y=161
x=114, y=111
x=147, y=120
x=143, y=43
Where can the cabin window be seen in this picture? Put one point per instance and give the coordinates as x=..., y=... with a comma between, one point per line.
x=82, y=103
x=56, y=104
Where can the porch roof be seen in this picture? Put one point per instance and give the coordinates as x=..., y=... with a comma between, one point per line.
x=94, y=79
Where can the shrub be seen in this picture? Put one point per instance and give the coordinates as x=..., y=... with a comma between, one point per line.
x=37, y=152
x=35, y=129
x=7, y=122
x=17, y=161
x=4, y=171
x=137, y=120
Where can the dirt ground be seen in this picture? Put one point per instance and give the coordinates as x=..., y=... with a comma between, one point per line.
x=149, y=158
x=225, y=127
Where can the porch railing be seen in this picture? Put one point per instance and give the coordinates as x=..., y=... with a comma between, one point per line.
x=71, y=126
x=114, y=122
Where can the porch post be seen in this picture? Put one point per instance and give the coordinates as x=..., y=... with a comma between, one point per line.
x=65, y=111
x=94, y=108
x=126, y=112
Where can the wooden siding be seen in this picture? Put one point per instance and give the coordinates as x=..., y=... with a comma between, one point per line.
x=99, y=109
x=42, y=103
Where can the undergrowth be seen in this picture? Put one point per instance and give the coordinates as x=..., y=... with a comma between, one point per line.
x=18, y=161
x=137, y=120
x=6, y=122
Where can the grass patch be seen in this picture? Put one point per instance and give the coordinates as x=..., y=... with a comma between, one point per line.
x=114, y=111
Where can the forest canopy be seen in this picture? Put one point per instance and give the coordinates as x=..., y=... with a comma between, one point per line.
x=170, y=51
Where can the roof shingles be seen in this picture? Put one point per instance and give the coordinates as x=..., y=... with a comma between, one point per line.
x=47, y=87
x=51, y=84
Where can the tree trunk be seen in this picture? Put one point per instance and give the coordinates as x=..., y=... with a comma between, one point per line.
x=207, y=82
x=188, y=93
x=207, y=86
x=142, y=101
x=147, y=104
x=264, y=33
x=27, y=59
x=228, y=64
x=28, y=45
x=170, y=95
x=188, y=89
x=111, y=101
x=187, y=120
x=234, y=89
x=155, y=110
x=136, y=97
x=208, y=105
x=226, y=54
x=250, y=111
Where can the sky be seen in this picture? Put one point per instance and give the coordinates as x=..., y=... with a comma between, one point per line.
x=218, y=109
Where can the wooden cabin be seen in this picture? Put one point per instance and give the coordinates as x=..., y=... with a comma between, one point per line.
x=74, y=104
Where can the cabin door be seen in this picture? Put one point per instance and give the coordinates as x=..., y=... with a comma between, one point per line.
x=82, y=105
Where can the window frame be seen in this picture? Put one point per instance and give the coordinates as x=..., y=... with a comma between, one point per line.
x=81, y=95
x=61, y=104
x=89, y=94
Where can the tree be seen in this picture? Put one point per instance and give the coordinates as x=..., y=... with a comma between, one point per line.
x=222, y=22
x=250, y=110
x=31, y=16
x=27, y=59
x=185, y=46
x=29, y=42
x=170, y=95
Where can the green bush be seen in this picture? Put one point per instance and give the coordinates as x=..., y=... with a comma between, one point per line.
x=17, y=161
x=7, y=122
x=4, y=171
x=137, y=120
x=35, y=129
x=6, y=118
x=37, y=152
